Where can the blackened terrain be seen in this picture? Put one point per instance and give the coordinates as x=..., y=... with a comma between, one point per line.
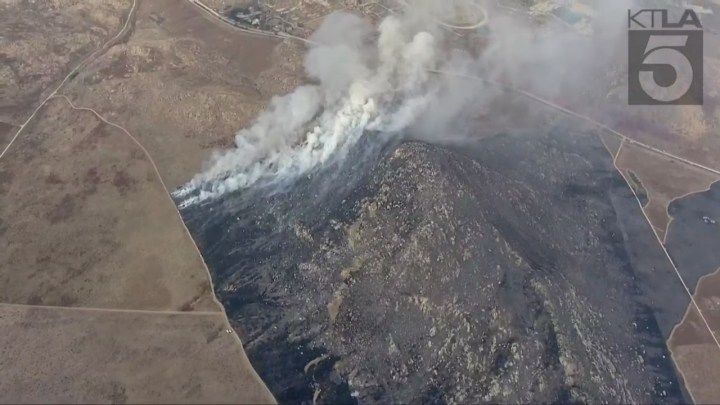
x=517, y=269
x=694, y=234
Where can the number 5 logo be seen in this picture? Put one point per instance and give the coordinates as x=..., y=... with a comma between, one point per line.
x=663, y=58
x=665, y=67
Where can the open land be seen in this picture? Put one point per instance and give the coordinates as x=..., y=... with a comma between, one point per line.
x=663, y=180
x=185, y=77
x=89, y=224
x=86, y=356
x=693, y=347
x=43, y=41
x=688, y=133
x=99, y=270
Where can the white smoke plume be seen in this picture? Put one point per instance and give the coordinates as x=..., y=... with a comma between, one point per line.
x=381, y=80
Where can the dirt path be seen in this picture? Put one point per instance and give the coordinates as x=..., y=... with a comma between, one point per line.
x=92, y=311
x=76, y=69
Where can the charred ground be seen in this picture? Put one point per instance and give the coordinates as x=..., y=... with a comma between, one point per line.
x=502, y=271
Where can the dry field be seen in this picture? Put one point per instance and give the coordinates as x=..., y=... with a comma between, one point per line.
x=42, y=41
x=184, y=83
x=87, y=222
x=6, y=132
x=103, y=294
x=86, y=356
x=663, y=179
x=693, y=349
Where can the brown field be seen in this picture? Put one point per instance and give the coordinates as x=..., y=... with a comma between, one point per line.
x=6, y=132
x=84, y=217
x=694, y=351
x=184, y=83
x=42, y=41
x=87, y=222
x=698, y=365
x=664, y=179
x=86, y=356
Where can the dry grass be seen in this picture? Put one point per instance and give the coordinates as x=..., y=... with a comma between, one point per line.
x=87, y=223
x=6, y=132
x=41, y=42
x=700, y=372
x=694, y=351
x=664, y=179
x=77, y=356
x=84, y=219
x=184, y=83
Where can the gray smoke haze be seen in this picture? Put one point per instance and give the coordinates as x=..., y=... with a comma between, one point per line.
x=383, y=80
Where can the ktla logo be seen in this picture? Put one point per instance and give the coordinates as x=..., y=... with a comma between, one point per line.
x=665, y=58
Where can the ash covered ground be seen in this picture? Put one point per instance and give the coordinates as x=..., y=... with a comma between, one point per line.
x=518, y=268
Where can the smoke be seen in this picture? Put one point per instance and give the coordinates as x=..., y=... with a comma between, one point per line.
x=383, y=81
